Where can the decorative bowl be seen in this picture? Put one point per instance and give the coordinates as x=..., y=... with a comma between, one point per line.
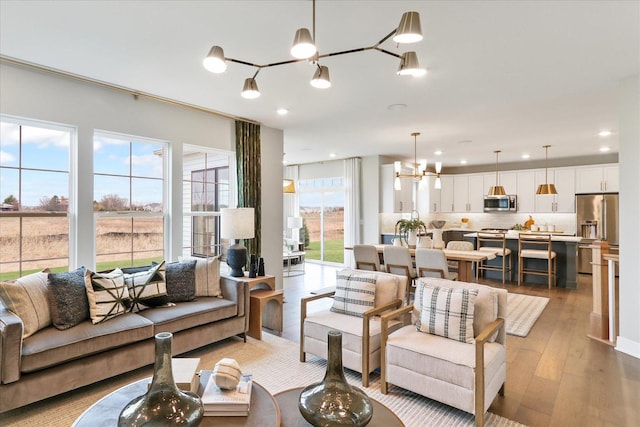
x=438, y=223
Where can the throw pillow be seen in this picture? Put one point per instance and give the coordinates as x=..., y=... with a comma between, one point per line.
x=107, y=294
x=68, y=299
x=28, y=298
x=207, y=276
x=447, y=312
x=147, y=287
x=181, y=281
x=355, y=293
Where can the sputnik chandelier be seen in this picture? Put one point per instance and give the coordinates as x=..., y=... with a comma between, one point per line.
x=304, y=49
x=419, y=169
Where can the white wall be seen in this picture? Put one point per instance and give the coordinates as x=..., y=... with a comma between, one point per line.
x=370, y=199
x=628, y=340
x=44, y=96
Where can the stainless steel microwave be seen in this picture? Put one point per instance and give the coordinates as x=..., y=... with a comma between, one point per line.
x=507, y=203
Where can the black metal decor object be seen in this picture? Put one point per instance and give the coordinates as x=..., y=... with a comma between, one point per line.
x=260, y=266
x=253, y=266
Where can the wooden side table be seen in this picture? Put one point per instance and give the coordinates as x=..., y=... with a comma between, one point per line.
x=265, y=310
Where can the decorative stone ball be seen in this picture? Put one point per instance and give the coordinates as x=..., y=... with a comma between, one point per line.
x=226, y=374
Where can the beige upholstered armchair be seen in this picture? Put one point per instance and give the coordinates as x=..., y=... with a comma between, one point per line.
x=454, y=350
x=359, y=299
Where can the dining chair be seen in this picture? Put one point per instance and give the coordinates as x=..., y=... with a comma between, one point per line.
x=397, y=260
x=536, y=247
x=460, y=245
x=496, y=243
x=366, y=257
x=433, y=263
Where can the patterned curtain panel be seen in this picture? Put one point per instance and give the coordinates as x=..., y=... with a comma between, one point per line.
x=249, y=177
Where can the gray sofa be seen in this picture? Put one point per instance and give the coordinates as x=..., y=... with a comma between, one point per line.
x=52, y=361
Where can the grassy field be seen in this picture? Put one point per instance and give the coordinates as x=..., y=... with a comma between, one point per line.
x=333, y=251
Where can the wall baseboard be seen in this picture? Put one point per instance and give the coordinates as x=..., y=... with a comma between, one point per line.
x=627, y=346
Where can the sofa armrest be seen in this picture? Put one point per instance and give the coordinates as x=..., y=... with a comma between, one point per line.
x=238, y=291
x=10, y=346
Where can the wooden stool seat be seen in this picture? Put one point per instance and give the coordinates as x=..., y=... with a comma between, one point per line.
x=265, y=311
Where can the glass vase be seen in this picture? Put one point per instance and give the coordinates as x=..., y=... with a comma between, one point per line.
x=164, y=404
x=333, y=401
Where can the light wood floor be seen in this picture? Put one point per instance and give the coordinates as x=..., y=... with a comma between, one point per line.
x=556, y=376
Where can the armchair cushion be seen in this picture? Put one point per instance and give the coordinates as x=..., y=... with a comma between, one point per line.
x=447, y=312
x=355, y=293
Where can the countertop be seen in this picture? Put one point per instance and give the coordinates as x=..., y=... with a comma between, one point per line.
x=554, y=237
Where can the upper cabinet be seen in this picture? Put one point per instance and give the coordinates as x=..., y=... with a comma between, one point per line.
x=597, y=179
x=395, y=200
x=446, y=194
x=564, y=180
x=468, y=193
x=428, y=198
x=526, y=190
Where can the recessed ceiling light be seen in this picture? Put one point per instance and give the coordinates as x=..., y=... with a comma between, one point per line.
x=397, y=107
x=463, y=162
x=332, y=155
x=282, y=111
x=604, y=149
x=438, y=152
x=526, y=156
x=604, y=133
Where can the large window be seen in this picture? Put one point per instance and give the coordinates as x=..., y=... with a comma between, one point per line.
x=129, y=200
x=206, y=191
x=34, y=197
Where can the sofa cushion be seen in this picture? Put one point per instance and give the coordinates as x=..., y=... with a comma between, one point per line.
x=144, y=287
x=50, y=346
x=68, y=298
x=107, y=293
x=447, y=312
x=450, y=361
x=207, y=276
x=355, y=293
x=28, y=298
x=185, y=315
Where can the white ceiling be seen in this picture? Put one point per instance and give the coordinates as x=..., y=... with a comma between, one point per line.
x=502, y=75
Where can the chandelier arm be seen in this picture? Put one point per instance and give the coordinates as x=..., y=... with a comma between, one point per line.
x=387, y=52
x=386, y=37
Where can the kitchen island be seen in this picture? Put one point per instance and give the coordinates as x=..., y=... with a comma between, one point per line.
x=565, y=247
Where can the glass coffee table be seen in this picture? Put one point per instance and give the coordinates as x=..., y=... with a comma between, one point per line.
x=288, y=402
x=105, y=412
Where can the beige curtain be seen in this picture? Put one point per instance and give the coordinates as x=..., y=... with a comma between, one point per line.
x=249, y=177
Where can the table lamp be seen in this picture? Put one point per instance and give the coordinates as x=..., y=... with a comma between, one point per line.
x=294, y=223
x=236, y=224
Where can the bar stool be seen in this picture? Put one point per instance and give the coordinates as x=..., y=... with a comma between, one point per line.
x=367, y=257
x=542, y=245
x=496, y=243
x=397, y=260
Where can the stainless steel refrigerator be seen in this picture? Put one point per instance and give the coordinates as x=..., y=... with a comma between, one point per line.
x=597, y=219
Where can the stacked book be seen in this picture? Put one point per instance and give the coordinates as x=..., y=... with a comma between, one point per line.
x=226, y=403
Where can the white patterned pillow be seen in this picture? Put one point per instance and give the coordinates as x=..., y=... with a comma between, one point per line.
x=145, y=286
x=447, y=312
x=355, y=293
x=107, y=293
x=207, y=275
x=27, y=297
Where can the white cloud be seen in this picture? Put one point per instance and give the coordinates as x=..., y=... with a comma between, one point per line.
x=6, y=158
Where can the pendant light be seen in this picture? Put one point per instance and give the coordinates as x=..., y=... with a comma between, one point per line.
x=496, y=190
x=546, y=188
x=419, y=169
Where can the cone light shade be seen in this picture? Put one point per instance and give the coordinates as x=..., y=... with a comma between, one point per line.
x=303, y=46
x=409, y=65
x=546, y=188
x=214, y=62
x=320, y=78
x=250, y=89
x=409, y=30
x=288, y=186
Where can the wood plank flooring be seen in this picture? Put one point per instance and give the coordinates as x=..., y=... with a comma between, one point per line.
x=556, y=376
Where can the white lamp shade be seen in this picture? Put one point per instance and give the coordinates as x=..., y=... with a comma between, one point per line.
x=321, y=78
x=409, y=29
x=215, y=61
x=237, y=223
x=250, y=89
x=294, y=222
x=303, y=46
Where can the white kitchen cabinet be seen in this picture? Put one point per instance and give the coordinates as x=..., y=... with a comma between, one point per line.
x=597, y=179
x=395, y=200
x=526, y=191
x=468, y=193
x=565, y=181
x=446, y=194
x=428, y=198
x=509, y=180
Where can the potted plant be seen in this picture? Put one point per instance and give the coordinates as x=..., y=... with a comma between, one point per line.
x=409, y=229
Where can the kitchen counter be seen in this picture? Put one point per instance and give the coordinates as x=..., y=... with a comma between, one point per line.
x=565, y=247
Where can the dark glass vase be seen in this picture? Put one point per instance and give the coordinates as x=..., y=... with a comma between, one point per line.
x=164, y=404
x=333, y=401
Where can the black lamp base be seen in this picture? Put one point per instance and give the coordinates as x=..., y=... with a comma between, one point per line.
x=236, y=259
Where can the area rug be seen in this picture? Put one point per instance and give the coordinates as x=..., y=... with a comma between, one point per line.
x=274, y=363
x=522, y=312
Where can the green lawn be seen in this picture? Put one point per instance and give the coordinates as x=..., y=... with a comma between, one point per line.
x=110, y=265
x=333, y=251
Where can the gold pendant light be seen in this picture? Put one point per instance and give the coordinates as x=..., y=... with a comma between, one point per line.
x=546, y=188
x=496, y=190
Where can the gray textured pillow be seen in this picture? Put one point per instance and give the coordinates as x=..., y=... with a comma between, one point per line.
x=181, y=281
x=68, y=301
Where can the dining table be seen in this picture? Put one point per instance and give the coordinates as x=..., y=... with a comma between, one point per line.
x=465, y=259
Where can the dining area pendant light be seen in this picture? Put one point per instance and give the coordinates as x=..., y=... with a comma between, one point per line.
x=496, y=190
x=304, y=49
x=419, y=169
x=546, y=188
